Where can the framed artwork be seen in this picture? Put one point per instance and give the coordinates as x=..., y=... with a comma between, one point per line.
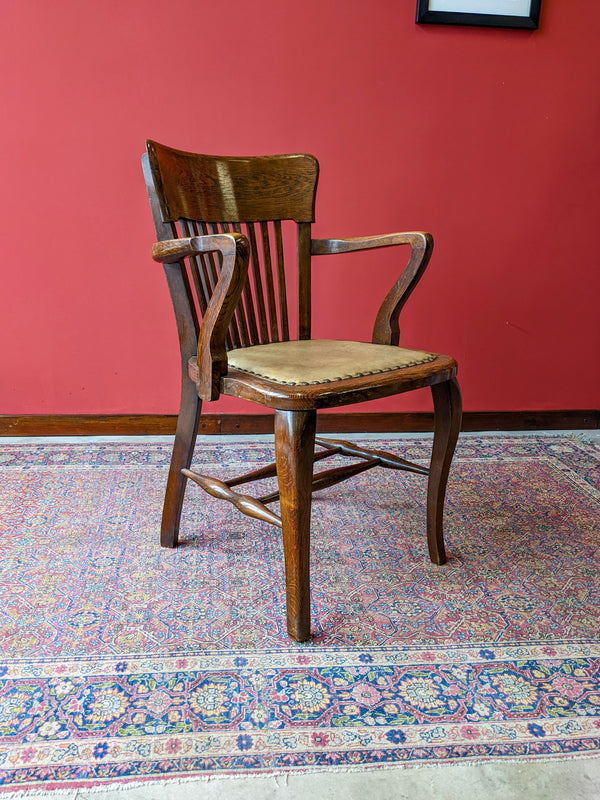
x=494, y=13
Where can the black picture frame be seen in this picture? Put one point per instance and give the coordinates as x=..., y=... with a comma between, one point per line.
x=530, y=22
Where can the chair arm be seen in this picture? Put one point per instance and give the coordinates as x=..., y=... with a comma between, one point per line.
x=234, y=250
x=173, y=250
x=386, y=329
x=325, y=247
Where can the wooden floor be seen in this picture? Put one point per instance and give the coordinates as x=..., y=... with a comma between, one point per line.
x=231, y=424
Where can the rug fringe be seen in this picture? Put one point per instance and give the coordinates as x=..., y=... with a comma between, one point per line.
x=79, y=792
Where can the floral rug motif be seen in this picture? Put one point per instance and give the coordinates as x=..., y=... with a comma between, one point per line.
x=121, y=661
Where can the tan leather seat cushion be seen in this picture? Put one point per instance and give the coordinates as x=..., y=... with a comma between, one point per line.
x=322, y=360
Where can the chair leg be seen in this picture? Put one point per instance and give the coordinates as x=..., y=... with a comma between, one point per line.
x=294, y=449
x=181, y=458
x=447, y=406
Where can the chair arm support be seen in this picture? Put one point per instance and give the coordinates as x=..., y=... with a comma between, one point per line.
x=386, y=329
x=234, y=250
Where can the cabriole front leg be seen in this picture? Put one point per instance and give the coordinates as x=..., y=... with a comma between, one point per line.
x=181, y=458
x=294, y=449
x=447, y=406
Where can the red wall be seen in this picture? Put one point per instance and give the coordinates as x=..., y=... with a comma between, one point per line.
x=487, y=138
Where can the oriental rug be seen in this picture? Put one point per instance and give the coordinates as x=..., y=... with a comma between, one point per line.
x=121, y=661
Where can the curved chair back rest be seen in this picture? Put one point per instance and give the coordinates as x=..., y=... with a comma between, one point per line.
x=194, y=195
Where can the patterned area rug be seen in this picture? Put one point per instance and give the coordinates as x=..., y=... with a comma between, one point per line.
x=122, y=661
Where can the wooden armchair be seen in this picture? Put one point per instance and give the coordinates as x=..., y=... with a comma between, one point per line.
x=222, y=229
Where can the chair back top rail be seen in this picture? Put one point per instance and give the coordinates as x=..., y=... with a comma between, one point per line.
x=231, y=188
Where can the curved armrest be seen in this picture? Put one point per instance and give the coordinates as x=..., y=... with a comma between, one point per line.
x=386, y=329
x=325, y=247
x=234, y=249
x=173, y=250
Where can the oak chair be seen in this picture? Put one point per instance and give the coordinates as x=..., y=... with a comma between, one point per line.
x=222, y=226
